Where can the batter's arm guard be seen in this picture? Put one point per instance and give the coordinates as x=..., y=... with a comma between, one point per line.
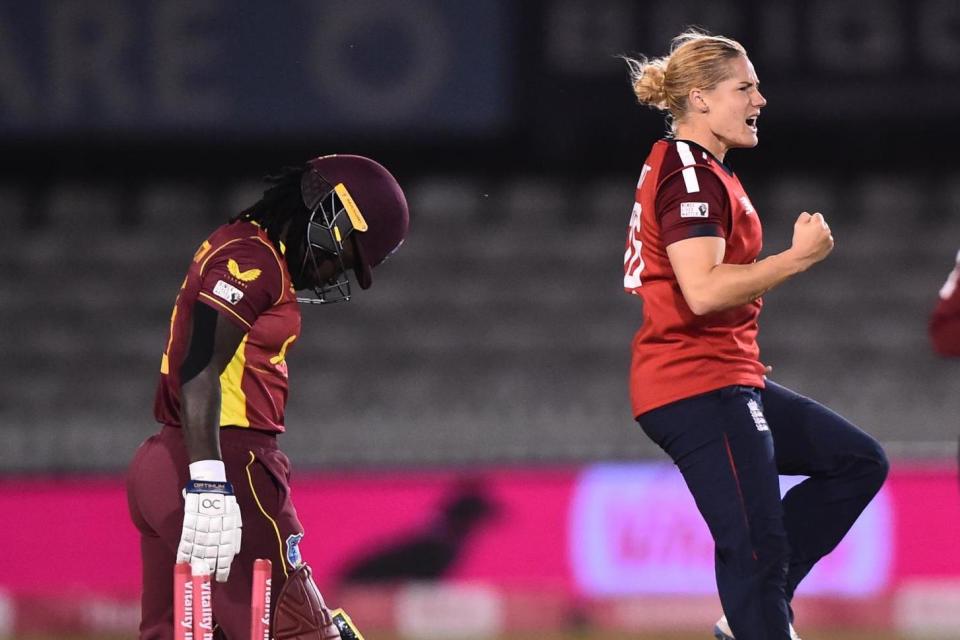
x=301, y=613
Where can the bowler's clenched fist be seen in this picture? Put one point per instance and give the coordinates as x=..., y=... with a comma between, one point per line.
x=812, y=238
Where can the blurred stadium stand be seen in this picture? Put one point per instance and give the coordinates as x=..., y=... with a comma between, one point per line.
x=499, y=332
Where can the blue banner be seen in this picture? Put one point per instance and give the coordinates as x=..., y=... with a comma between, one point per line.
x=252, y=67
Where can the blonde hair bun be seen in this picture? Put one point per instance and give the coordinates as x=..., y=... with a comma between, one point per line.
x=696, y=60
x=648, y=78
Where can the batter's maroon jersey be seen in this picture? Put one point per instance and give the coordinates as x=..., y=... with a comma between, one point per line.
x=684, y=192
x=945, y=319
x=238, y=272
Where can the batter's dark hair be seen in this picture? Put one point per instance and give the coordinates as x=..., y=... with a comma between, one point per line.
x=280, y=205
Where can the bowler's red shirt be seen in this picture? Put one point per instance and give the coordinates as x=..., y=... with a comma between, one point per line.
x=685, y=192
x=238, y=272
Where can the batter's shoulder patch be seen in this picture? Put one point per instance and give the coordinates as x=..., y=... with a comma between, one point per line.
x=228, y=292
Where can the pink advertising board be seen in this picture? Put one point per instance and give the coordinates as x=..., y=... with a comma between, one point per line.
x=597, y=531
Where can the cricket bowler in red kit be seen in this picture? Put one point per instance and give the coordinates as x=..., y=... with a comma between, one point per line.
x=212, y=484
x=697, y=385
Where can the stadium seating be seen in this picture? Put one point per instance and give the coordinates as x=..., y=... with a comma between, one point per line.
x=498, y=333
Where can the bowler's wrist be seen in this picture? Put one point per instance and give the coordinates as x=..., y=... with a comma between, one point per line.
x=793, y=262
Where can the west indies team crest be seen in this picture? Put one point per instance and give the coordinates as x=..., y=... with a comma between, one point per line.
x=294, y=559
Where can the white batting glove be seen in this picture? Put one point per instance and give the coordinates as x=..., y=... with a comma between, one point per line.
x=211, y=526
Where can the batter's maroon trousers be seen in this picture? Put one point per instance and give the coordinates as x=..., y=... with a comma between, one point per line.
x=260, y=474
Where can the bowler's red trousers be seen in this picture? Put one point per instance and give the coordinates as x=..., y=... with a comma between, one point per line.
x=259, y=473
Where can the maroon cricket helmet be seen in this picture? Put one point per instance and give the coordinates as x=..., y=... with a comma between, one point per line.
x=374, y=200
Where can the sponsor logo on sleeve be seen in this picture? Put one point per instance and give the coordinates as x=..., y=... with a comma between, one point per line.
x=694, y=209
x=243, y=276
x=227, y=292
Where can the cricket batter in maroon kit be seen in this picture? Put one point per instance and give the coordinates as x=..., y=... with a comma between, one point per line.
x=212, y=485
